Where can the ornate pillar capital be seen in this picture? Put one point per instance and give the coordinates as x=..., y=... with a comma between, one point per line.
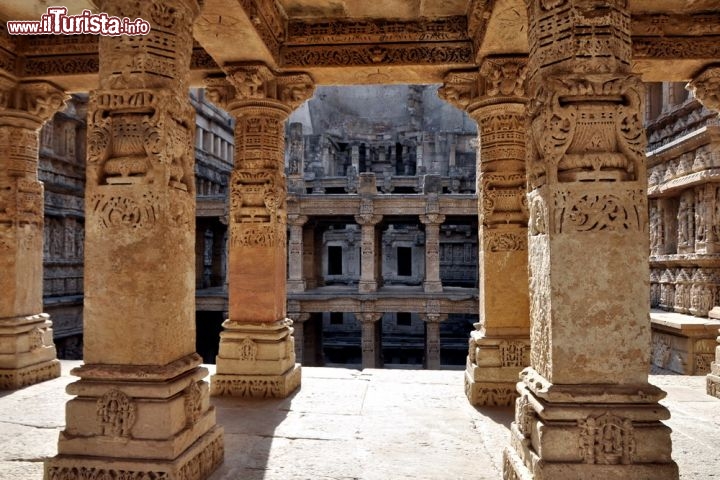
x=500, y=79
x=29, y=104
x=706, y=87
x=368, y=219
x=432, y=219
x=297, y=220
x=256, y=85
x=433, y=317
x=368, y=317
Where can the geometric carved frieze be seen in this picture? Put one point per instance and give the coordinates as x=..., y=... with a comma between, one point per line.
x=269, y=21
x=380, y=30
x=564, y=36
x=373, y=54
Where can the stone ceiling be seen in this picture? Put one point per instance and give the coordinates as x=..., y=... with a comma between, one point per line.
x=343, y=42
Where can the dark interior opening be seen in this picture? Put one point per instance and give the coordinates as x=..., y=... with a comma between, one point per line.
x=404, y=261
x=335, y=266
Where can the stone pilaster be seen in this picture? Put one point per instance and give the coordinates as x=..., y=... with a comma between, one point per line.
x=371, y=342
x=706, y=88
x=432, y=222
x=27, y=351
x=296, y=280
x=257, y=356
x=432, y=339
x=586, y=409
x=369, y=249
x=141, y=408
x=495, y=96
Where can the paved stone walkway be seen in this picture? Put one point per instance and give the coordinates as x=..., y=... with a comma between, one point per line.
x=350, y=424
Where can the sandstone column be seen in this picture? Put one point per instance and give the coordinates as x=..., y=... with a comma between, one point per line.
x=299, y=319
x=432, y=222
x=432, y=339
x=499, y=347
x=586, y=408
x=296, y=281
x=257, y=356
x=369, y=252
x=141, y=408
x=371, y=342
x=27, y=351
x=706, y=88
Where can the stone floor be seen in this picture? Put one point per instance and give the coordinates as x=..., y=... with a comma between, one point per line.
x=350, y=424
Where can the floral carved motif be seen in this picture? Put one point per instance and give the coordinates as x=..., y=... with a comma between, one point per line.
x=576, y=211
x=387, y=54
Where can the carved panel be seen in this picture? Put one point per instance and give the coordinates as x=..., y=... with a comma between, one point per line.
x=363, y=30
x=607, y=440
x=193, y=397
x=386, y=54
x=116, y=414
x=247, y=350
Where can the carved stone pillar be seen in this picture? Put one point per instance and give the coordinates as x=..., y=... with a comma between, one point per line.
x=27, y=351
x=257, y=356
x=706, y=88
x=432, y=339
x=432, y=222
x=499, y=347
x=296, y=159
x=371, y=342
x=369, y=251
x=141, y=408
x=586, y=408
x=296, y=280
x=299, y=319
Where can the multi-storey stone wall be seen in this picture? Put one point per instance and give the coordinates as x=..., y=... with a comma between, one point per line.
x=684, y=214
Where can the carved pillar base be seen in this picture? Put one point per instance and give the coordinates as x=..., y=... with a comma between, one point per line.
x=492, y=370
x=713, y=378
x=367, y=286
x=432, y=287
x=583, y=431
x=196, y=463
x=295, y=286
x=256, y=360
x=27, y=352
x=139, y=421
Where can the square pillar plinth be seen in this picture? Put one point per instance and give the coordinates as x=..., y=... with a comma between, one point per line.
x=608, y=432
x=492, y=369
x=27, y=352
x=713, y=378
x=139, y=422
x=256, y=361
